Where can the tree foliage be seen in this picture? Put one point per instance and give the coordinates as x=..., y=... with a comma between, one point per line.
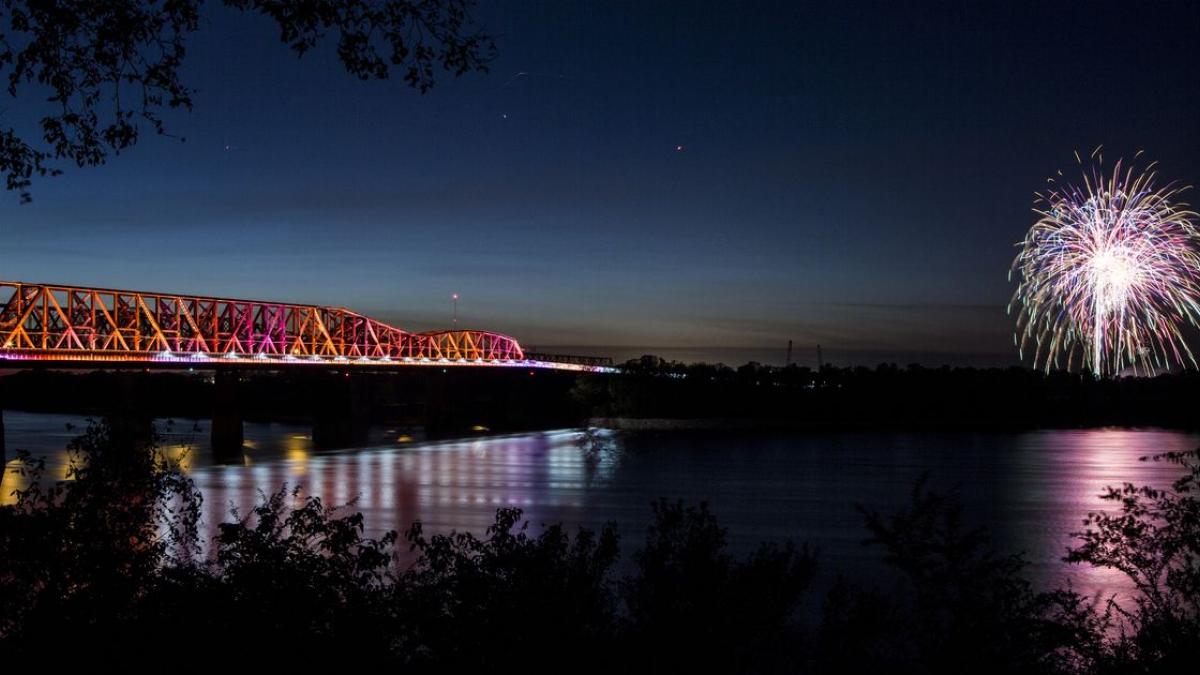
x=691, y=606
x=110, y=68
x=76, y=553
x=471, y=603
x=889, y=396
x=1153, y=540
x=959, y=605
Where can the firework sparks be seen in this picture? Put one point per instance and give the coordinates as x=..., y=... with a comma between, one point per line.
x=1109, y=275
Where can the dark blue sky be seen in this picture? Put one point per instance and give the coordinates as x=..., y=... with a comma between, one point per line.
x=853, y=175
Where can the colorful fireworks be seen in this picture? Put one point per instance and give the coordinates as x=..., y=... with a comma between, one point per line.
x=1109, y=275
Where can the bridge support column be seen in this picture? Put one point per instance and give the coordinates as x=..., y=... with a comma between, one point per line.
x=131, y=426
x=439, y=415
x=341, y=406
x=227, y=432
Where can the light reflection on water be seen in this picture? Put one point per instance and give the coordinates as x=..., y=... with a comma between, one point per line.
x=447, y=485
x=1031, y=489
x=1058, y=476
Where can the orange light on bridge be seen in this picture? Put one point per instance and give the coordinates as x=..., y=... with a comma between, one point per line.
x=95, y=326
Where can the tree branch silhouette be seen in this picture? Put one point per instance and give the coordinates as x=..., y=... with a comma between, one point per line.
x=110, y=69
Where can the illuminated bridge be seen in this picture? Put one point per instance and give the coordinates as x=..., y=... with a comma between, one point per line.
x=71, y=325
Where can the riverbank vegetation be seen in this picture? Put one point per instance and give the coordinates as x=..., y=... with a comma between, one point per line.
x=107, y=571
x=887, y=396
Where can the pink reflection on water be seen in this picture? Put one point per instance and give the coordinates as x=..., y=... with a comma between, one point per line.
x=1065, y=474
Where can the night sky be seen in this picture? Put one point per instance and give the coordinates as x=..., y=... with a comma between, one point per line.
x=698, y=180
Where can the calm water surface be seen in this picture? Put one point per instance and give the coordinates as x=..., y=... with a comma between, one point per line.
x=1031, y=489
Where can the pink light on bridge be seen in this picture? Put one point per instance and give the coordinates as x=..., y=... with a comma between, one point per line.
x=69, y=324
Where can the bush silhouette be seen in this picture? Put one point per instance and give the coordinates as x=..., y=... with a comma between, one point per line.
x=957, y=606
x=691, y=605
x=1154, y=541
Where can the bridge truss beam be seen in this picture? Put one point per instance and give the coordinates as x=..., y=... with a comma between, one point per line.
x=42, y=322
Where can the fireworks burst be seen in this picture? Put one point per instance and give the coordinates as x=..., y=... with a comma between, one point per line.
x=1109, y=274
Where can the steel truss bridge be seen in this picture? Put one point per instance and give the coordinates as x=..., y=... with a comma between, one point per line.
x=72, y=325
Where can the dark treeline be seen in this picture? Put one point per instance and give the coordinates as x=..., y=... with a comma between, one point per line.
x=106, y=572
x=884, y=397
x=890, y=396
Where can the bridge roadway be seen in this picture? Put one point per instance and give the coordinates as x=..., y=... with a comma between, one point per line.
x=57, y=326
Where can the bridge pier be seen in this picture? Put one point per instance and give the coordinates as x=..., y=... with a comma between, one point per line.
x=440, y=414
x=130, y=425
x=227, y=430
x=341, y=410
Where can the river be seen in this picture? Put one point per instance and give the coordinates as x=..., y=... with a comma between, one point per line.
x=1031, y=489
